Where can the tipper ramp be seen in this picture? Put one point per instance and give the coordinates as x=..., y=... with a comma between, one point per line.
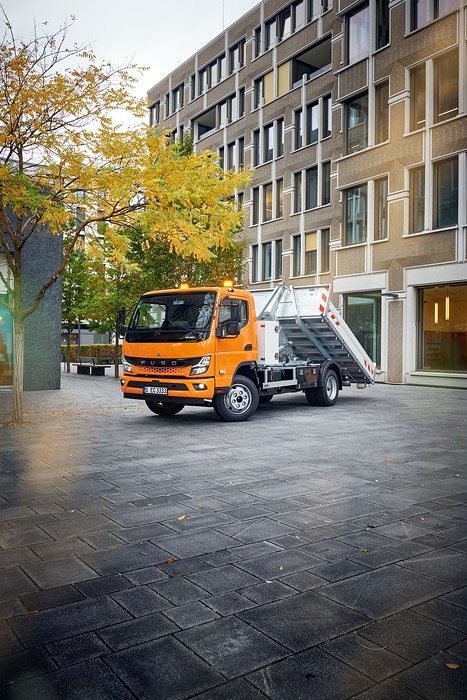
x=315, y=330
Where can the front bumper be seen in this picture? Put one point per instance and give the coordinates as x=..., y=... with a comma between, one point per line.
x=183, y=390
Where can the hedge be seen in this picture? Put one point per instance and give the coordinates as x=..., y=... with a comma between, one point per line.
x=103, y=351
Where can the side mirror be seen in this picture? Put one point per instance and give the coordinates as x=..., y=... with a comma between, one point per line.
x=232, y=328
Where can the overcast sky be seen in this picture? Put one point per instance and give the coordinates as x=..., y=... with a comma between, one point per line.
x=160, y=34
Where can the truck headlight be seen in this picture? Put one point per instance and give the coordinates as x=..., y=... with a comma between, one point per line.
x=126, y=365
x=202, y=365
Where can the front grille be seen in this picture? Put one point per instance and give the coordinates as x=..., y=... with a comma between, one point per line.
x=165, y=371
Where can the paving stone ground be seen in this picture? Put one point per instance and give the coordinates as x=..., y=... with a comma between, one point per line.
x=311, y=553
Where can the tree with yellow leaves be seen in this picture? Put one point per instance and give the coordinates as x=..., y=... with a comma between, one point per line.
x=63, y=159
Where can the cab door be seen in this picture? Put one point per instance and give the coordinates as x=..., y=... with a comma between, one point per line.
x=236, y=339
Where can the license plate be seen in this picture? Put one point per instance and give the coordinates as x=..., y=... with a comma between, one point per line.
x=155, y=390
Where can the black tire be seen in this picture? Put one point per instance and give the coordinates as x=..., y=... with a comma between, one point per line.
x=164, y=408
x=266, y=398
x=325, y=395
x=239, y=402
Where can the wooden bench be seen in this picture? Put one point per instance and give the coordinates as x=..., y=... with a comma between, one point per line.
x=90, y=365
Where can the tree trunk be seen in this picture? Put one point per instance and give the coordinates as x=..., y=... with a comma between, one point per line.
x=18, y=371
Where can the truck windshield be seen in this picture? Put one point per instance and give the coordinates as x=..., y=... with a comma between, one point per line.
x=177, y=316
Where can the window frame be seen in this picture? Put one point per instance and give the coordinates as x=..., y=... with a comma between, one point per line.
x=353, y=222
x=358, y=34
x=440, y=198
x=358, y=104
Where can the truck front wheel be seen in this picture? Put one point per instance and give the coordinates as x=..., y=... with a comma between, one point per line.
x=239, y=402
x=164, y=408
x=327, y=393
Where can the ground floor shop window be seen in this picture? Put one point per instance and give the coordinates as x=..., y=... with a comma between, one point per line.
x=6, y=346
x=363, y=315
x=443, y=328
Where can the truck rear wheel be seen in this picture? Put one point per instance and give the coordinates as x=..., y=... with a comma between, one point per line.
x=327, y=393
x=164, y=408
x=239, y=402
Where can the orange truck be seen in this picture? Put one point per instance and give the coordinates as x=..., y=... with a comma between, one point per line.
x=232, y=349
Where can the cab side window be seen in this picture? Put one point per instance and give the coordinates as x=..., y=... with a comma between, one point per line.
x=233, y=310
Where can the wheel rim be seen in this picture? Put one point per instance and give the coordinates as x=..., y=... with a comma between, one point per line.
x=238, y=399
x=331, y=387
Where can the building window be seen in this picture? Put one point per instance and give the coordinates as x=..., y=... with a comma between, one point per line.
x=213, y=74
x=417, y=200
x=424, y=11
x=446, y=193
x=382, y=112
x=202, y=81
x=363, y=315
x=357, y=123
x=446, y=87
x=278, y=259
x=311, y=253
x=418, y=97
x=255, y=212
x=268, y=143
x=381, y=209
x=382, y=23
x=325, y=250
x=297, y=256
x=298, y=118
x=221, y=157
x=256, y=148
x=356, y=215
x=311, y=191
x=279, y=198
x=443, y=329
x=327, y=118
x=241, y=153
x=299, y=9
x=326, y=183
x=285, y=24
x=270, y=28
x=257, y=41
x=223, y=115
x=258, y=93
x=312, y=123
x=237, y=57
x=280, y=138
x=358, y=34
x=297, y=184
x=267, y=202
x=241, y=102
x=231, y=156
x=254, y=263
x=155, y=114
x=267, y=261
x=232, y=108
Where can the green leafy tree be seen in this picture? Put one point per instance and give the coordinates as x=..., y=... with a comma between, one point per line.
x=62, y=155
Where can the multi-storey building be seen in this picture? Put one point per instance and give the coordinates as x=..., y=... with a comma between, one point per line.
x=352, y=115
